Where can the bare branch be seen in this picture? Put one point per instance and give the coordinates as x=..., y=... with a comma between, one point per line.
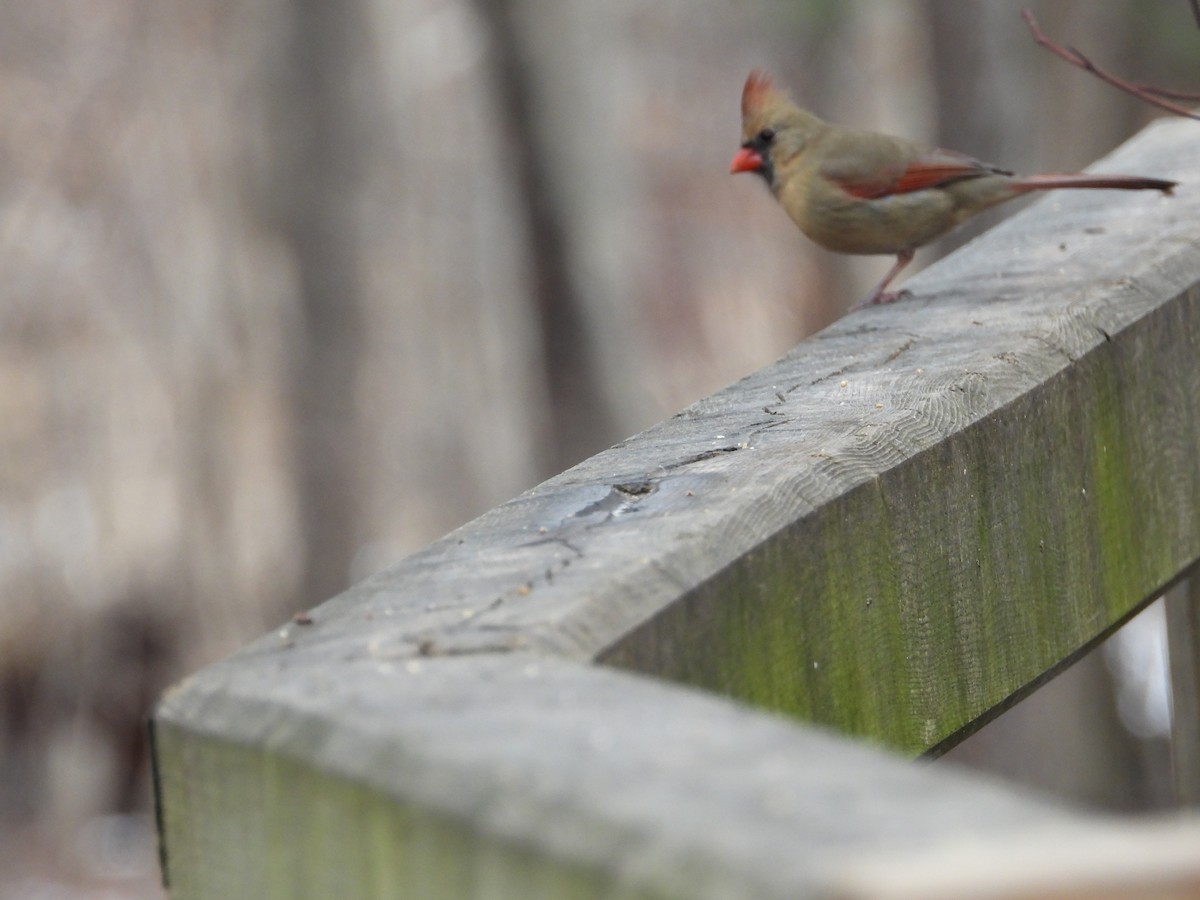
x=1153, y=96
x=1196, y=11
x=1168, y=92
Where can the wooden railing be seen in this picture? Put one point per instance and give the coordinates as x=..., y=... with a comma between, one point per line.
x=913, y=519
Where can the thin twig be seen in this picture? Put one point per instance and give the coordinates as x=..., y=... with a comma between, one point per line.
x=1167, y=92
x=1074, y=57
x=1196, y=11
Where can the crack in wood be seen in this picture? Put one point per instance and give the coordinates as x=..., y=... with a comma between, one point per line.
x=900, y=351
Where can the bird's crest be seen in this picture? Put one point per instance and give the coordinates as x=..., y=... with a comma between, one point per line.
x=756, y=92
x=764, y=105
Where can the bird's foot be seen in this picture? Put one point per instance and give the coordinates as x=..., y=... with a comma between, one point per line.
x=881, y=297
x=893, y=296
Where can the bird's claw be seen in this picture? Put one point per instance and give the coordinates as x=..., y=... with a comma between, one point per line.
x=893, y=296
x=881, y=297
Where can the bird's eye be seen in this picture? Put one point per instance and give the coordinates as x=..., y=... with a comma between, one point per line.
x=766, y=135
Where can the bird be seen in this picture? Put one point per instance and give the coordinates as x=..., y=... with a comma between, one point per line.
x=862, y=192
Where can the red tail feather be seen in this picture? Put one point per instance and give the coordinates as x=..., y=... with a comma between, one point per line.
x=1124, y=182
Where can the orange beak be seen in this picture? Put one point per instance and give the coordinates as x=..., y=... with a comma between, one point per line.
x=746, y=160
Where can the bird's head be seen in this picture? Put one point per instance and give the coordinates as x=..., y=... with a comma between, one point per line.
x=772, y=125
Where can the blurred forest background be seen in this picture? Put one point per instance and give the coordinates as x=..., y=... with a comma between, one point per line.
x=289, y=288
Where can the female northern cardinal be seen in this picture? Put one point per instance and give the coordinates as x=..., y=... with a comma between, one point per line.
x=858, y=192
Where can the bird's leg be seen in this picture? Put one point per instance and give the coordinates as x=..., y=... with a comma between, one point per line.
x=878, y=296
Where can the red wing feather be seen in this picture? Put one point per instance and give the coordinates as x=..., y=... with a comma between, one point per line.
x=918, y=175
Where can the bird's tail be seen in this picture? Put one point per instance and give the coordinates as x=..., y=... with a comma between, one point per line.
x=1123, y=182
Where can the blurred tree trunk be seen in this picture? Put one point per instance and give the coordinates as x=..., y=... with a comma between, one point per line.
x=984, y=92
x=554, y=182
x=319, y=139
x=983, y=83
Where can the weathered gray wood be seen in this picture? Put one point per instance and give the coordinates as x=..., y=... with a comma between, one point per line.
x=1183, y=646
x=906, y=522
